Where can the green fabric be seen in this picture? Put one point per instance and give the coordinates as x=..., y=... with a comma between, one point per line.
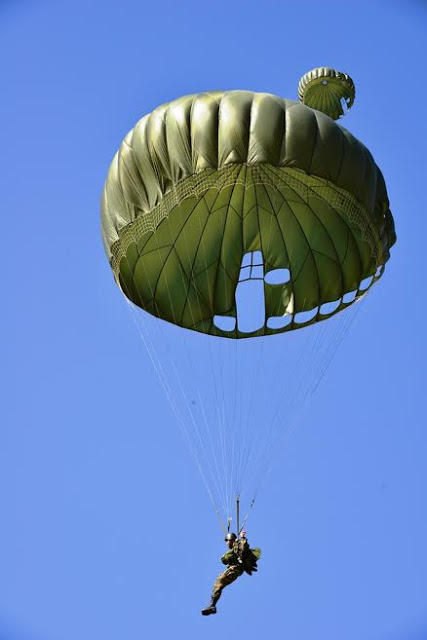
x=229, y=558
x=324, y=89
x=207, y=178
x=256, y=552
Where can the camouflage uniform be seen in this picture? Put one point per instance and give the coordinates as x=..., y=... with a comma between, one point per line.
x=235, y=559
x=239, y=558
x=225, y=578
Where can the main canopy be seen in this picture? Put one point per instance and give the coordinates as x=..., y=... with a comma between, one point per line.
x=206, y=179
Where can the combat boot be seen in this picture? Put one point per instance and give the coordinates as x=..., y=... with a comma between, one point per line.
x=211, y=608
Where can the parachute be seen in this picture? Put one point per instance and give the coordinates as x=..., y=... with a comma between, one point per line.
x=240, y=215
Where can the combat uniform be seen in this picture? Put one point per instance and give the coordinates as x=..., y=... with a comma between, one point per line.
x=239, y=558
x=234, y=570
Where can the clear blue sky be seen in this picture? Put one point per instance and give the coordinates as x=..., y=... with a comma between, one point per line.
x=106, y=531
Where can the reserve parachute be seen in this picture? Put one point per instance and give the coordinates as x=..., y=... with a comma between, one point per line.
x=229, y=217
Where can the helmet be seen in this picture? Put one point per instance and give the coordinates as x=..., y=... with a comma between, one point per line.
x=230, y=536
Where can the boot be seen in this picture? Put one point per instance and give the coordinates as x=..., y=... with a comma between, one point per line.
x=211, y=608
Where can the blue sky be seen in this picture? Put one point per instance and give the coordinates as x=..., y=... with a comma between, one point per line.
x=106, y=531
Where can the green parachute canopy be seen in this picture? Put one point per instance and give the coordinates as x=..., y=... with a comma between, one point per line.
x=327, y=90
x=208, y=179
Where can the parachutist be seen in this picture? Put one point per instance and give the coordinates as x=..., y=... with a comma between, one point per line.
x=239, y=558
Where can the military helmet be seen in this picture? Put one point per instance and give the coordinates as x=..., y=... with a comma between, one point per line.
x=230, y=536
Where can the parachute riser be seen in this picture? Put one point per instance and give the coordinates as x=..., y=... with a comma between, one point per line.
x=238, y=514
